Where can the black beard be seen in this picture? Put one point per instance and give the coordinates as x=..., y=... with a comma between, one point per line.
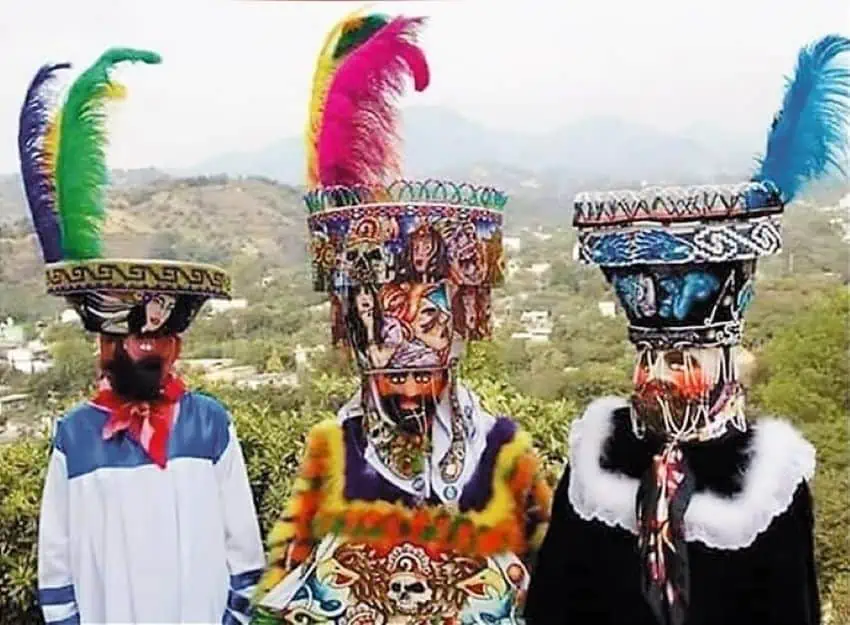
x=135, y=380
x=410, y=421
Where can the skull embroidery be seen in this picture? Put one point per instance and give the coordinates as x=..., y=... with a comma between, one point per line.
x=409, y=592
x=410, y=571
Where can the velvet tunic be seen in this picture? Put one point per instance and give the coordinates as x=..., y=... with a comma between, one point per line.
x=748, y=529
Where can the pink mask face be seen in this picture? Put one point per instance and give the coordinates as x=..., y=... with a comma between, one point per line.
x=140, y=347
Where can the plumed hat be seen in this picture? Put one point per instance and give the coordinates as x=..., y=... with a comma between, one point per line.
x=63, y=166
x=408, y=264
x=681, y=260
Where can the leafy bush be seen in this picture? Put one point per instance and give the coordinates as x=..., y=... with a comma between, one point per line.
x=22, y=468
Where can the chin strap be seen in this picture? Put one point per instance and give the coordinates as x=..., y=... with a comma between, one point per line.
x=663, y=496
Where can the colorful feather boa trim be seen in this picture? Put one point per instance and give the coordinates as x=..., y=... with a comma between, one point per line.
x=318, y=507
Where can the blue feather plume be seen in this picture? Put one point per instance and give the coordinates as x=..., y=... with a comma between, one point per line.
x=808, y=138
x=38, y=183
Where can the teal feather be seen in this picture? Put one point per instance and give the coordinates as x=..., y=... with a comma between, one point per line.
x=808, y=139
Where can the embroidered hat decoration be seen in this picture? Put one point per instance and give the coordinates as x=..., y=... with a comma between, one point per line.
x=62, y=150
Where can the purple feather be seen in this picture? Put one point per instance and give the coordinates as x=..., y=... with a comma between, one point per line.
x=38, y=184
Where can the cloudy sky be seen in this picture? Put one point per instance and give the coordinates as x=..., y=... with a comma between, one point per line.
x=236, y=73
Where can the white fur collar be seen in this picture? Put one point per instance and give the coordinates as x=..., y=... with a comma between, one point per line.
x=781, y=459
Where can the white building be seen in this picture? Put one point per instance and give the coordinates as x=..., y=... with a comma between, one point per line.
x=259, y=380
x=512, y=244
x=537, y=326
x=532, y=337
x=536, y=319
x=512, y=267
x=11, y=401
x=11, y=333
x=69, y=315
x=607, y=308
x=218, y=306
x=26, y=361
x=302, y=355
x=538, y=269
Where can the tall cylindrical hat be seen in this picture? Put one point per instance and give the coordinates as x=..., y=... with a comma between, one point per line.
x=408, y=265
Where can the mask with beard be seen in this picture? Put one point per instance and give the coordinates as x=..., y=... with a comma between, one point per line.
x=135, y=380
x=687, y=394
x=412, y=417
x=137, y=366
x=400, y=409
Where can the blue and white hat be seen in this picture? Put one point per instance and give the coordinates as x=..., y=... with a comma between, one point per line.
x=682, y=259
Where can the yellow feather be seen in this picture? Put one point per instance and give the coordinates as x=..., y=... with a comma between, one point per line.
x=114, y=91
x=325, y=67
x=51, y=143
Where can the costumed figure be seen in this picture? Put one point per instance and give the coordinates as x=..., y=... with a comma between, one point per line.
x=675, y=508
x=415, y=505
x=147, y=515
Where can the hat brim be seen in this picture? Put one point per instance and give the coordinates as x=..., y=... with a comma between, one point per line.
x=142, y=276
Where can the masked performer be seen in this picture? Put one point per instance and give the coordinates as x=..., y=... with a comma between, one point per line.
x=675, y=507
x=147, y=516
x=416, y=505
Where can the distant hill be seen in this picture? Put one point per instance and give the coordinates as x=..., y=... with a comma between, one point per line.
x=205, y=219
x=13, y=203
x=440, y=142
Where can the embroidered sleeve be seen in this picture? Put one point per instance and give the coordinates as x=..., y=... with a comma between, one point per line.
x=56, y=594
x=292, y=539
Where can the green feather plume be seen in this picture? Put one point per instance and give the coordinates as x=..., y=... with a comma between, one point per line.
x=360, y=31
x=81, y=171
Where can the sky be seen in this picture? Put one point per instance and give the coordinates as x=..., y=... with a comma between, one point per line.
x=236, y=74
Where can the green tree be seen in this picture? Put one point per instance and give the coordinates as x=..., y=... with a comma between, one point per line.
x=804, y=370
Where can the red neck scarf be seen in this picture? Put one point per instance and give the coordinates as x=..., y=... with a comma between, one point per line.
x=146, y=422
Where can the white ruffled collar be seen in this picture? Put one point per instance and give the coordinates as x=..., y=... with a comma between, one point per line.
x=781, y=458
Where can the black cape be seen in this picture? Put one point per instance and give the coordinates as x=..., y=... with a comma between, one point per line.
x=587, y=571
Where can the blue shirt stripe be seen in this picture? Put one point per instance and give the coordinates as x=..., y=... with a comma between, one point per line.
x=230, y=619
x=201, y=431
x=57, y=595
x=246, y=579
x=238, y=603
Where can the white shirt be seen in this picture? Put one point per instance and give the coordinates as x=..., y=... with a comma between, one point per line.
x=122, y=540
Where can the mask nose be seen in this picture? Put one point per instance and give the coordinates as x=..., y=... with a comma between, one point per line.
x=138, y=348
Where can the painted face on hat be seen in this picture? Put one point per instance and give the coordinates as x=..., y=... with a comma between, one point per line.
x=432, y=320
x=467, y=264
x=423, y=248
x=157, y=311
x=399, y=326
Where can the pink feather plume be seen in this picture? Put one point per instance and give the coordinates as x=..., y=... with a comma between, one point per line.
x=357, y=142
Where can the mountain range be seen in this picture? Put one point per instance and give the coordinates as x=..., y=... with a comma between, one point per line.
x=541, y=172
x=439, y=142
